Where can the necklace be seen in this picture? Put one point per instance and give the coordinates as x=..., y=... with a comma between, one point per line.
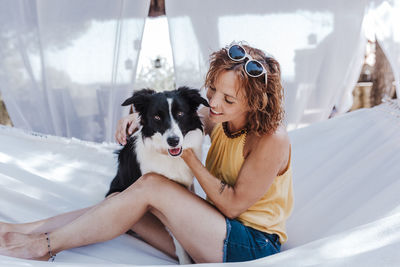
x=235, y=134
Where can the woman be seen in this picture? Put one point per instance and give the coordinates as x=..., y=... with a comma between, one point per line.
x=247, y=179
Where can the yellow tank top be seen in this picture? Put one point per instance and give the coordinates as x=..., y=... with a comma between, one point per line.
x=269, y=214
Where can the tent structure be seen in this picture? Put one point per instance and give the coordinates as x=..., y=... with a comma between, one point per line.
x=346, y=181
x=66, y=65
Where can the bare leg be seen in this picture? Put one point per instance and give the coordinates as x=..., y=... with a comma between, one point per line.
x=45, y=225
x=149, y=228
x=153, y=231
x=198, y=226
x=42, y=226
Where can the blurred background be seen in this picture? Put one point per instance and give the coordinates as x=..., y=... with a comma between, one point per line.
x=66, y=65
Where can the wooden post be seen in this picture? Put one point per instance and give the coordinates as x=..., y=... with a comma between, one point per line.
x=382, y=78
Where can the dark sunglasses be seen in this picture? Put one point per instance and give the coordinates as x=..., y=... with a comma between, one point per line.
x=252, y=67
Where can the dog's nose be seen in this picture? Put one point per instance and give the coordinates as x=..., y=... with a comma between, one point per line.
x=173, y=141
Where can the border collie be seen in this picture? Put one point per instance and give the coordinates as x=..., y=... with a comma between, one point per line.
x=168, y=121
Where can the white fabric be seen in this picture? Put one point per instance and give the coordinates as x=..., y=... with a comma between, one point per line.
x=319, y=45
x=67, y=65
x=346, y=184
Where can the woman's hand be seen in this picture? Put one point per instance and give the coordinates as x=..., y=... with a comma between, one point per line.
x=187, y=153
x=126, y=126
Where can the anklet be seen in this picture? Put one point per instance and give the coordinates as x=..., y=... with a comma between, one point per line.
x=52, y=256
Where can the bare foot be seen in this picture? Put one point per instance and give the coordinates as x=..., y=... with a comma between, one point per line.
x=24, y=228
x=4, y=228
x=32, y=246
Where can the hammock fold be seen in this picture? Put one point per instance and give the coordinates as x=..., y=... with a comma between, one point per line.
x=346, y=182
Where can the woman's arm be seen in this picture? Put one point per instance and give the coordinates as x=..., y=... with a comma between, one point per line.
x=268, y=157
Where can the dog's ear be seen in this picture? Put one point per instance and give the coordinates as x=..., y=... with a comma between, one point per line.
x=192, y=96
x=139, y=99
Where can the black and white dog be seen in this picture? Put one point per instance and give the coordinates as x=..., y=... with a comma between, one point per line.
x=168, y=121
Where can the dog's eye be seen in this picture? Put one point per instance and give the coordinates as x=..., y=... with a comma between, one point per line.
x=179, y=114
x=157, y=118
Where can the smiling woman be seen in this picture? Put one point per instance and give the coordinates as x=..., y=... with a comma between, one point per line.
x=227, y=103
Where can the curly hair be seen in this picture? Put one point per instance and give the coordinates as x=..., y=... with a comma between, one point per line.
x=265, y=99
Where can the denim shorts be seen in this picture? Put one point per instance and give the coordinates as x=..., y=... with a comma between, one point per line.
x=243, y=243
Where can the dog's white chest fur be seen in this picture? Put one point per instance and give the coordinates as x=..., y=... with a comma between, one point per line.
x=165, y=120
x=174, y=168
x=151, y=159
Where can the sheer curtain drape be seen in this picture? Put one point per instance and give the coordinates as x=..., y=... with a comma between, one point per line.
x=319, y=44
x=66, y=65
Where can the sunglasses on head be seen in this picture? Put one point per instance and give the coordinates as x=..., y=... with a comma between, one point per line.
x=252, y=67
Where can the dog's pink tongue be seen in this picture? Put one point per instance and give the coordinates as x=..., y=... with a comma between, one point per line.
x=174, y=151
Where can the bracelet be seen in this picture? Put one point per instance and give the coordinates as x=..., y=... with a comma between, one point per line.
x=52, y=256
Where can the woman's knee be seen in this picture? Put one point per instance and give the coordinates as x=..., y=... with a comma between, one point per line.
x=150, y=178
x=148, y=181
x=112, y=194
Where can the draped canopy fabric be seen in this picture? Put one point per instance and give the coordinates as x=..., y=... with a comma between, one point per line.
x=319, y=45
x=68, y=64
x=345, y=178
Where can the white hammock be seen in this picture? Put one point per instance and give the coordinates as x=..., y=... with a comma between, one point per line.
x=346, y=184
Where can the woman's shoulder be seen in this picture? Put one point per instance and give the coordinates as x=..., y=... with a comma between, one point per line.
x=280, y=135
x=276, y=143
x=279, y=138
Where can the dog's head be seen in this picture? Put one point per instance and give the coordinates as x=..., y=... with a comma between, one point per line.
x=167, y=117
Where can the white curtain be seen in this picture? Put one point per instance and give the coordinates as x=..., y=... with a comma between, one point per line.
x=319, y=44
x=67, y=65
